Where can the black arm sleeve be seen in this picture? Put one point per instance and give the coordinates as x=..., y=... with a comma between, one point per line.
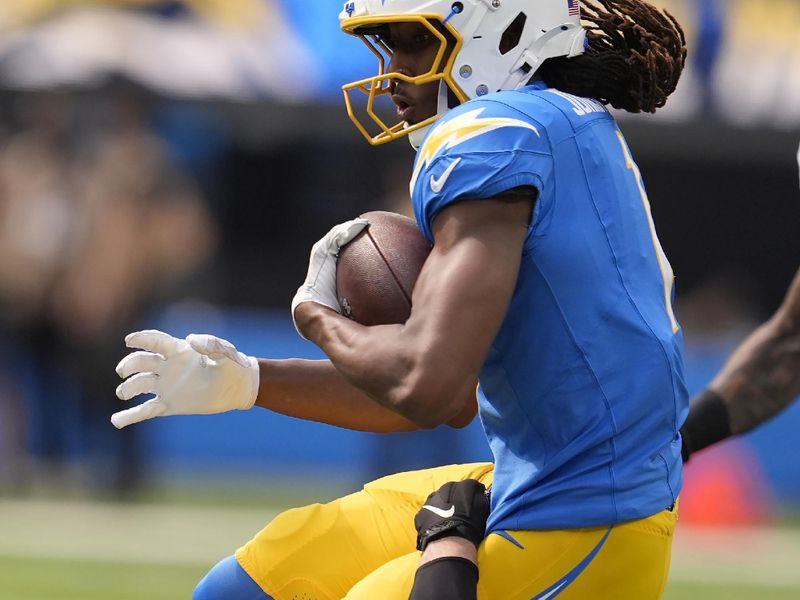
x=449, y=578
x=707, y=423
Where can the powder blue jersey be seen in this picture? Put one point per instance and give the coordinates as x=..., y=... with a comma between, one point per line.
x=582, y=392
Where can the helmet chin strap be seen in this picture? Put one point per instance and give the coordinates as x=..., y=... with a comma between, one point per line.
x=415, y=137
x=442, y=107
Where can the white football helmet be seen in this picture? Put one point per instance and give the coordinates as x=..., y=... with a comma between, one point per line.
x=475, y=66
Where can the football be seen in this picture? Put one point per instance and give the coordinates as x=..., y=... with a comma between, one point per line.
x=377, y=270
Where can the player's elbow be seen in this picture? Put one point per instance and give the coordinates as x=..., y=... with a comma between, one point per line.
x=431, y=397
x=468, y=411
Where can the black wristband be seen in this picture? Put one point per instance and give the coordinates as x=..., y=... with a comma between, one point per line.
x=708, y=423
x=449, y=528
x=448, y=578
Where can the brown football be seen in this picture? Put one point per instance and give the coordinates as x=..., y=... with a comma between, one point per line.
x=377, y=270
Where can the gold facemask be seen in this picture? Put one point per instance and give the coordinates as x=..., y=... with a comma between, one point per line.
x=384, y=83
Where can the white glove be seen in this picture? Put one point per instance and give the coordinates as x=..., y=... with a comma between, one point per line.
x=200, y=375
x=320, y=283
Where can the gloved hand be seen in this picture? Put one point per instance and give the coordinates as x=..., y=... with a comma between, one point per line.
x=320, y=283
x=200, y=375
x=458, y=508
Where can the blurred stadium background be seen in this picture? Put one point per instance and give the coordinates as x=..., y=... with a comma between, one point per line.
x=169, y=164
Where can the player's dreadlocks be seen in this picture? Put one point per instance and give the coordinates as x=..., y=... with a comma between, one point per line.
x=633, y=60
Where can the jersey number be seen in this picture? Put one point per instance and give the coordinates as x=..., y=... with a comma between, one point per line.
x=666, y=269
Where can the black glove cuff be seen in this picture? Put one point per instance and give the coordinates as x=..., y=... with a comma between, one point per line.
x=448, y=528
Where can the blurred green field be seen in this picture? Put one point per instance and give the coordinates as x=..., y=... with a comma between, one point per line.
x=88, y=551
x=64, y=579
x=682, y=591
x=48, y=579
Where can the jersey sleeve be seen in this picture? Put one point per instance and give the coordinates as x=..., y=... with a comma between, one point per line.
x=478, y=150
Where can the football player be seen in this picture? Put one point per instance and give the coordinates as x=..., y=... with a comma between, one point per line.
x=758, y=381
x=546, y=280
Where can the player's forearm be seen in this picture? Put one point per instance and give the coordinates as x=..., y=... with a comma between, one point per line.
x=762, y=376
x=390, y=366
x=316, y=391
x=758, y=381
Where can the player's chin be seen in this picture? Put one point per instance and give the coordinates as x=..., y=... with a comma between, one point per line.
x=415, y=117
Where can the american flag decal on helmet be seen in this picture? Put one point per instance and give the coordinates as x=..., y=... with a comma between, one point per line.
x=573, y=8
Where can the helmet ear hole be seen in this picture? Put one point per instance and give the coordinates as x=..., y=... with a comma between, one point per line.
x=513, y=34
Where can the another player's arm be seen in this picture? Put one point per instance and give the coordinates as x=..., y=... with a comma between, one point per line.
x=426, y=369
x=449, y=541
x=759, y=380
x=763, y=375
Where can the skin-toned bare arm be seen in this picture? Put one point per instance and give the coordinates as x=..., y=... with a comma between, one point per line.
x=426, y=369
x=314, y=390
x=762, y=376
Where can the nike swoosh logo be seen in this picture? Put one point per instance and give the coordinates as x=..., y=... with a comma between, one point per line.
x=445, y=514
x=552, y=592
x=438, y=184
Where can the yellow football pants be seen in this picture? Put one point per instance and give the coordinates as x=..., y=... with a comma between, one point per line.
x=361, y=547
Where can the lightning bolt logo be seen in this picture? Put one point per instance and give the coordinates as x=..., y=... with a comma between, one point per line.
x=458, y=130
